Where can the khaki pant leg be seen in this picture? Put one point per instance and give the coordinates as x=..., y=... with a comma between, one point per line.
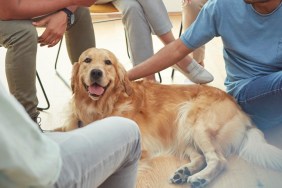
x=80, y=36
x=20, y=39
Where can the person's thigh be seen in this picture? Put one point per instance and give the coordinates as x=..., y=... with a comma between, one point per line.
x=103, y=151
x=262, y=100
x=157, y=16
x=138, y=30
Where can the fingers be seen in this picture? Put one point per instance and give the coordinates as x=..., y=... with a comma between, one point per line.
x=49, y=39
x=51, y=36
x=56, y=25
x=53, y=43
x=40, y=23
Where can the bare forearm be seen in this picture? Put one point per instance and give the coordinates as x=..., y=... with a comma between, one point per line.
x=27, y=9
x=72, y=8
x=166, y=57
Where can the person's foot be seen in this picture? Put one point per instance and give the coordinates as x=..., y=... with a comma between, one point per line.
x=195, y=72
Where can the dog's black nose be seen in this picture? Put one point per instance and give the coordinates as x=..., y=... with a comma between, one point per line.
x=96, y=74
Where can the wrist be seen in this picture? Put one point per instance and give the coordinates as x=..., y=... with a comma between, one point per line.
x=70, y=16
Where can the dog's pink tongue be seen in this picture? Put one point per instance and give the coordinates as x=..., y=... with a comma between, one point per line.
x=96, y=90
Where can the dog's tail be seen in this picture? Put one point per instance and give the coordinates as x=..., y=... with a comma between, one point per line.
x=256, y=150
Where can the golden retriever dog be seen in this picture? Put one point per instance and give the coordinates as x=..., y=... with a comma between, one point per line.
x=197, y=127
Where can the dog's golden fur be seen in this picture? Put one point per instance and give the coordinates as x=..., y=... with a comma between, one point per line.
x=196, y=123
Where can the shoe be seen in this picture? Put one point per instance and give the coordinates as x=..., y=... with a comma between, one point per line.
x=196, y=73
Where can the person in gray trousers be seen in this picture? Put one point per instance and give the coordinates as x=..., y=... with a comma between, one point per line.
x=19, y=35
x=144, y=18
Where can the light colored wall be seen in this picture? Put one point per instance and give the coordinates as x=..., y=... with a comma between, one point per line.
x=172, y=5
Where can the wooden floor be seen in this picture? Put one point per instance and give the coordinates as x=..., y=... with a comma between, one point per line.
x=110, y=35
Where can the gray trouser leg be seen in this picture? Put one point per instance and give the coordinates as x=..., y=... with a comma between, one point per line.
x=157, y=16
x=20, y=39
x=137, y=29
x=103, y=154
x=139, y=22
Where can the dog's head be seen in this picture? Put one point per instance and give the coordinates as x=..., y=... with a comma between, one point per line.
x=97, y=72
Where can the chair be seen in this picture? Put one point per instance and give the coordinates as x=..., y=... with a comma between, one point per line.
x=97, y=9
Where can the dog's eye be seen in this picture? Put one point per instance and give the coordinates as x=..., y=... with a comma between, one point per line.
x=108, y=62
x=87, y=60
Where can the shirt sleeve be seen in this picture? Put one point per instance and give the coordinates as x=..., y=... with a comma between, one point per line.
x=204, y=28
x=28, y=157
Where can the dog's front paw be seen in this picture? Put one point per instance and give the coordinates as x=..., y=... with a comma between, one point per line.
x=180, y=176
x=197, y=182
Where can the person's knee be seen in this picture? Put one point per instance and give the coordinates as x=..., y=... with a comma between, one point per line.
x=137, y=150
x=127, y=125
x=130, y=130
x=27, y=33
x=23, y=32
x=133, y=128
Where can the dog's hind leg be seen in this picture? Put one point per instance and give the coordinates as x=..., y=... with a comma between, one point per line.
x=197, y=163
x=214, y=157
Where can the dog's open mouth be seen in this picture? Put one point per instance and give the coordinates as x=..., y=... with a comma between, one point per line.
x=95, y=89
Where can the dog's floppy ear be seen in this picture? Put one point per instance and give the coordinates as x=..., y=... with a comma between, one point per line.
x=75, y=69
x=125, y=82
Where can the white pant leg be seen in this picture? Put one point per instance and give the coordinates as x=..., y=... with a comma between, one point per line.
x=103, y=153
x=189, y=14
x=157, y=16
